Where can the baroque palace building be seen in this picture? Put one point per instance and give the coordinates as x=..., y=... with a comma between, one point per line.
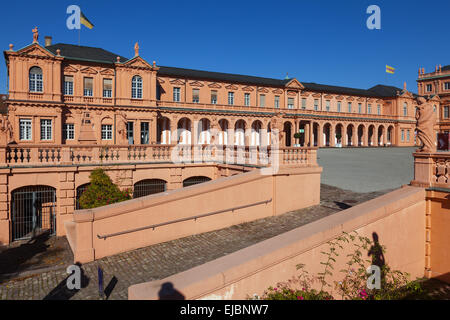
x=70, y=108
x=437, y=83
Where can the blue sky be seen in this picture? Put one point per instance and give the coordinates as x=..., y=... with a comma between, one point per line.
x=314, y=41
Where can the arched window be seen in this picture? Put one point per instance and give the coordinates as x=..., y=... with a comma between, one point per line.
x=136, y=87
x=36, y=83
x=149, y=186
x=195, y=180
x=405, y=109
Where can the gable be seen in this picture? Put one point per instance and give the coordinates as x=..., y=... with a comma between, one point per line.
x=294, y=84
x=137, y=62
x=35, y=50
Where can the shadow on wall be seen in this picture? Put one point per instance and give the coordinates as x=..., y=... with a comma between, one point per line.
x=168, y=292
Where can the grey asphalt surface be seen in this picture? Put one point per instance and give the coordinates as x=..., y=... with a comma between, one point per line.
x=366, y=169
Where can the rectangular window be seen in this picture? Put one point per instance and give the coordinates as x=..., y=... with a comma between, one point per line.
x=429, y=87
x=359, y=107
x=195, y=95
x=25, y=129
x=247, y=99
x=327, y=105
x=88, y=87
x=369, y=108
x=277, y=102
x=262, y=100
x=130, y=132
x=107, y=88
x=378, y=109
x=213, y=96
x=290, y=103
x=403, y=135
x=68, y=85
x=176, y=94
x=349, y=107
x=339, y=106
x=144, y=133
x=69, y=131
x=46, y=129
x=446, y=112
x=231, y=98
x=106, y=131
x=446, y=85
x=303, y=103
x=316, y=104
x=407, y=135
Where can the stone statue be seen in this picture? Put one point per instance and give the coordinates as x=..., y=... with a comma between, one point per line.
x=136, y=49
x=35, y=35
x=122, y=125
x=425, y=125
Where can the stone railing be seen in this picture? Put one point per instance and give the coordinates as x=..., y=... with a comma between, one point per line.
x=38, y=155
x=432, y=169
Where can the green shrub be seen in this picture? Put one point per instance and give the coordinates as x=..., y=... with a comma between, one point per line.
x=102, y=191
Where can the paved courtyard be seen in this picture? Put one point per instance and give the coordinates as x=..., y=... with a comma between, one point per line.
x=366, y=169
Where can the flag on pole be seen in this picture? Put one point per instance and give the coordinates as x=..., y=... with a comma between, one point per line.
x=84, y=21
x=390, y=69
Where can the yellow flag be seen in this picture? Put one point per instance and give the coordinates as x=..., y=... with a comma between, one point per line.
x=390, y=69
x=84, y=21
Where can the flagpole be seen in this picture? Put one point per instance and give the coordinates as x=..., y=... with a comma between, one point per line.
x=79, y=36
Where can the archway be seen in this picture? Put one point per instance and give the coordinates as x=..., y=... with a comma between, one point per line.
x=339, y=135
x=195, y=180
x=380, y=136
x=256, y=136
x=326, y=134
x=287, y=129
x=390, y=135
x=239, y=133
x=223, y=134
x=163, y=129
x=361, y=130
x=204, y=134
x=371, y=134
x=350, y=129
x=148, y=186
x=184, y=131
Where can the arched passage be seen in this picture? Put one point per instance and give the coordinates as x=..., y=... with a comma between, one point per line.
x=239, y=133
x=33, y=210
x=339, y=135
x=163, y=129
x=350, y=133
x=184, y=131
x=326, y=134
x=204, y=134
x=361, y=132
x=223, y=133
x=256, y=137
x=390, y=135
x=79, y=192
x=371, y=135
x=287, y=129
x=380, y=137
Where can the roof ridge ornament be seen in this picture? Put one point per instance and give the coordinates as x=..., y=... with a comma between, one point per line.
x=136, y=50
x=35, y=35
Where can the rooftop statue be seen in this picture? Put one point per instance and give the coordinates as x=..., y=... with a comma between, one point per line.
x=425, y=125
x=35, y=35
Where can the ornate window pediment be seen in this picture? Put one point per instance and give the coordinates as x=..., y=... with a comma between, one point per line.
x=278, y=91
x=89, y=70
x=214, y=85
x=177, y=82
x=263, y=90
x=291, y=93
x=232, y=87
x=70, y=69
x=36, y=50
x=247, y=88
x=328, y=96
x=196, y=84
x=107, y=72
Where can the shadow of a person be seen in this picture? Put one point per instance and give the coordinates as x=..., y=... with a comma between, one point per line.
x=376, y=252
x=168, y=292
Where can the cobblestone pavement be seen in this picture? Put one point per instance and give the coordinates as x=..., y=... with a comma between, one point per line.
x=164, y=259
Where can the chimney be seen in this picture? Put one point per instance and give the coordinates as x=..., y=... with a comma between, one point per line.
x=48, y=41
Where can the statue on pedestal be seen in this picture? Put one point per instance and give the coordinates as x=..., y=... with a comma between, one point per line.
x=35, y=35
x=426, y=119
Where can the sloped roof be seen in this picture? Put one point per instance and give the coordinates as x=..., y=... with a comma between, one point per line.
x=70, y=51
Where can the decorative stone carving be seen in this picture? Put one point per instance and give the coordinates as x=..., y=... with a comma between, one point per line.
x=426, y=119
x=122, y=124
x=35, y=35
x=136, y=49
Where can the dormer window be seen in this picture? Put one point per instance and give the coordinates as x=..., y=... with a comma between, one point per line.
x=36, y=83
x=136, y=87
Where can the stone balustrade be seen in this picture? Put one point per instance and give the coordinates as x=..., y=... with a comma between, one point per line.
x=432, y=170
x=38, y=155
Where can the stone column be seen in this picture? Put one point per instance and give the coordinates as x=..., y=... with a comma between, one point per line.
x=320, y=135
x=307, y=135
x=365, y=138
x=332, y=135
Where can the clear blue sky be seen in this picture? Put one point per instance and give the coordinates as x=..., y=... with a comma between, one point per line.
x=315, y=41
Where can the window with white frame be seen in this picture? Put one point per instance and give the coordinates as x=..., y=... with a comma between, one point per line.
x=349, y=107
x=378, y=109
x=213, y=96
x=407, y=135
x=403, y=135
x=446, y=85
x=195, y=95
x=369, y=108
x=405, y=109
x=176, y=94
x=359, y=107
x=25, y=129
x=68, y=85
x=303, y=103
x=290, y=103
x=69, y=131
x=230, y=98
x=136, y=87
x=247, y=99
x=327, y=105
x=88, y=87
x=429, y=87
x=36, y=80
x=262, y=100
x=46, y=129
x=338, y=106
x=106, y=131
x=446, y=112
x=107, y=88
x=277, y=102
x=316, y=104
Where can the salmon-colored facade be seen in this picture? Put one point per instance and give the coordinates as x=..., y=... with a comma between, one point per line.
x=72, y=108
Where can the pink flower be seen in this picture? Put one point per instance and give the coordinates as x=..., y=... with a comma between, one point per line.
x=275, y=289
x=300, y=298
